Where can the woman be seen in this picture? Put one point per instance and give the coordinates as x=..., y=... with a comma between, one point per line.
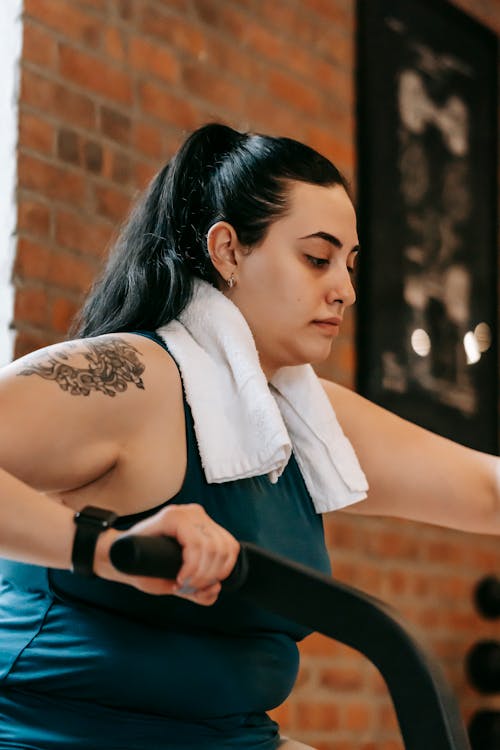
x=234, y=272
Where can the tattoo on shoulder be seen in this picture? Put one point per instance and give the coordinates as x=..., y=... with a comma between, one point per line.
x=112, y=365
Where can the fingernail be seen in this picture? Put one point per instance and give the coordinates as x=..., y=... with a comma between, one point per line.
x=186, y=589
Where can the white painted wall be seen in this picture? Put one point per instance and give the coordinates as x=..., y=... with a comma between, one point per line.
x=10, y=55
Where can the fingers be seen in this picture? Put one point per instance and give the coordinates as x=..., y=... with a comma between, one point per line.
x=205, y=597
x=209, y=553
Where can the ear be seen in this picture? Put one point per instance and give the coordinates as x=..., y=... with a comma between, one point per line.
x=224, y=248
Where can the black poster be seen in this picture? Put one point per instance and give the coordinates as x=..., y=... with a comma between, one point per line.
x=427, y=204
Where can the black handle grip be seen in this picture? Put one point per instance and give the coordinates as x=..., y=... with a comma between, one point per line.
x=487, y=596
x=161, y=557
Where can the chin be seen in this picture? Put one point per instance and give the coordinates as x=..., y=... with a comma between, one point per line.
x=320, y=354
x=311, y=357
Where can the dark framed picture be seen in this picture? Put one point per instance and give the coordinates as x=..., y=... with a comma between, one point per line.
x=427, y=327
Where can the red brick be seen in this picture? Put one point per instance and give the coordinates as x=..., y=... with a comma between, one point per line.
x=341, y=678
x=171, y=143
x=62, y=313
x=32, y=259
x=29, y=341
x=319, y=645
x=154, y=59
x=87, y=235
x=397, y=582
x=67, y=19
x=486, y=559
x=33, y=217
x=460, y=621
x=148, y=140
x=126, y=9
x=211, y=86
x=37, y=261
x=337, y=12
x=111, y=203
x=266, y=43
x=116, y=44
x=386, y=718
x=281, y=715
x=225, y=18
x=357, y=717
x=281, y=18
x=93, y=74
x=93, y=156
x=395, y=744
x=451, y=587
x=70, y=272
x=57, y=100
x=179, y=33
x=315, y=715
x=117, y=166
x=144, y=173
x=115, y=125
x=245, y=66
x=324, y=75
x=51, y=181
x=122, y=170
x=31, y=306
x=170, y=108
x=182, y=7
x=36, y=133
x=68, y=146
x=305, y=676
x=39, y=46
x=97, y=5
x=327, y=143
x=268, y=115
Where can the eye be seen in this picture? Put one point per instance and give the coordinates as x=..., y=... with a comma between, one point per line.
x=317, y=262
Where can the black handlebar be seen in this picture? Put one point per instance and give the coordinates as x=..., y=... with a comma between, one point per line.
x=425, y=706
x=161, y=557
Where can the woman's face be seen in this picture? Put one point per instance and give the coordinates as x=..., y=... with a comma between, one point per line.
x=299, y=276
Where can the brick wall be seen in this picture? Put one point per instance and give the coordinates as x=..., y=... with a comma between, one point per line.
x=109, y=88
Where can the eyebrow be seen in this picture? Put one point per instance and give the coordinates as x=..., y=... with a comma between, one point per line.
x=331, y=239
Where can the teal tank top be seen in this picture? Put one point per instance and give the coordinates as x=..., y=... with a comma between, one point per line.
x=97, y=665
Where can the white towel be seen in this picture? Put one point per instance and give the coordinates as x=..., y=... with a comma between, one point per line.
x=246, y=427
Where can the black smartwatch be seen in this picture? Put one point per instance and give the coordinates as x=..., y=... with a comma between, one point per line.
x=90, y=522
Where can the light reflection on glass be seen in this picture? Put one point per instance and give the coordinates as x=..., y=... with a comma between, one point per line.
x=471, y=348
x=420, y=342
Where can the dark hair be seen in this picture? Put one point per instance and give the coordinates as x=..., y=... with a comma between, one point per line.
x=217, y=174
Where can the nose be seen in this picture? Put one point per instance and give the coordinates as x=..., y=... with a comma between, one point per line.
x=341, y=289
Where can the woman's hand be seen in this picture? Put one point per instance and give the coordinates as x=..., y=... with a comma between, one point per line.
x=209, y=554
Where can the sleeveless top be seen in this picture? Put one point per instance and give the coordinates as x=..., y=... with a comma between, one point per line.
x=97, y=665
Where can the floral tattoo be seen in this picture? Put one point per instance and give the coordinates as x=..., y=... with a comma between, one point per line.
x=113, y=364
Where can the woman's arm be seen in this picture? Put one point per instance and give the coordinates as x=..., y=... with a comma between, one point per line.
x=67, y=415
x=416, y=474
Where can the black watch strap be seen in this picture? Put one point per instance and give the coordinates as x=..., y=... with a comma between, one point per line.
x=90, y=522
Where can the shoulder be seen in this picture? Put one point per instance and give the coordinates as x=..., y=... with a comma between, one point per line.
x=336, y=393
x=90, y=398
x=104, y=384
x=108, y=365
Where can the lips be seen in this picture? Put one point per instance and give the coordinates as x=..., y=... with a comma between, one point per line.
x=330, y=321
x=329, y=325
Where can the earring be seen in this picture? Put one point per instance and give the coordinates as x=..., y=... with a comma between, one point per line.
x=231, y=281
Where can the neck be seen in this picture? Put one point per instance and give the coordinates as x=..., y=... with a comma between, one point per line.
x=268, y=368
